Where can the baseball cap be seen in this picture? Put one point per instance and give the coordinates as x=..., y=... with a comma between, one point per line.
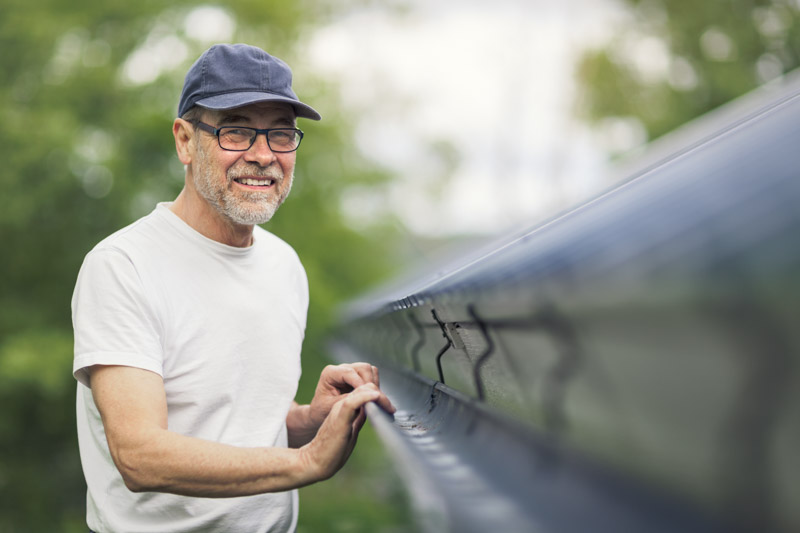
x=233, y=75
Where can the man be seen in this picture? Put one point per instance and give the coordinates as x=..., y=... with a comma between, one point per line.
x=188, y=327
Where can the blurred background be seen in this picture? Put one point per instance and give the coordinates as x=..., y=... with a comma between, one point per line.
x=446, y=123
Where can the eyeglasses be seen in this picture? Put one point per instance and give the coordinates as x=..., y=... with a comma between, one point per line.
x=240, y=139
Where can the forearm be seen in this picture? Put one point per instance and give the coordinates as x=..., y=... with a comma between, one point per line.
x=132, y=404
x=165, y=461
x=300, y=426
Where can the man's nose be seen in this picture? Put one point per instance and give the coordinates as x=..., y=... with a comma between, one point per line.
x=260, y=152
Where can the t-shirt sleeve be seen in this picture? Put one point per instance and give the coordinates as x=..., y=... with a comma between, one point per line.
x=113, y=320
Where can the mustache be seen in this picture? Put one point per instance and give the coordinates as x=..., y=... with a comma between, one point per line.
x=255, y=171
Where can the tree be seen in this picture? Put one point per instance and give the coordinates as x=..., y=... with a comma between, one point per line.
x=674, y=60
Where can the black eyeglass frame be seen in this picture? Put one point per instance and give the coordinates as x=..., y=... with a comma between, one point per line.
x=216, y=131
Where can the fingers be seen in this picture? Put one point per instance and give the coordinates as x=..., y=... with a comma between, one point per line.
x=337, y=436
x=370, y=374
x=367, y=372
x=360, y=419
x=337, y=381
x=368, y=392
x=345, y=378
x=358, y=423
x=355, y=401
x=352, y=374
x=385, y=404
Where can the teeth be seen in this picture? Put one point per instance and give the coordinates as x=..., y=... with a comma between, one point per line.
x=258, y=183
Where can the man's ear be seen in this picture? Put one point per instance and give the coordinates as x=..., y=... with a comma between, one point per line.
x=183, y=132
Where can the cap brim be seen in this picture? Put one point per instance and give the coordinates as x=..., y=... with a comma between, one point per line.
x=232, y=100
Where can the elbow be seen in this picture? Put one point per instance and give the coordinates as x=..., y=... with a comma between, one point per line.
x=132, y=477
x=133, y=485
x=133, y=471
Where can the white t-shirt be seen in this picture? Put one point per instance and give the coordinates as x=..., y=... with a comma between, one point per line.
x=223, y=326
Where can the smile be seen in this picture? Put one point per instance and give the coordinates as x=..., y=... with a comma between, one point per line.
x=254, y=182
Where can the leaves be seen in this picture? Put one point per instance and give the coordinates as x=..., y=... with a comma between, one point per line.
x=677, y=59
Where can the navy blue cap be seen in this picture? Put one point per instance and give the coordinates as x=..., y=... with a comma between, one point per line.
x=233, y=75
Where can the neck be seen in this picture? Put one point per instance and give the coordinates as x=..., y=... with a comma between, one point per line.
x=208, y=222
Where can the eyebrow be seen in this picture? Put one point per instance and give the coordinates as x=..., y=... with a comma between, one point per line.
x=233, y=118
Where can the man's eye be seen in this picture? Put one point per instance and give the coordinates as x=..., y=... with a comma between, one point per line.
x=236, y=134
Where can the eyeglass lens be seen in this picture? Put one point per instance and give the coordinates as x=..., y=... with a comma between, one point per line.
x=281, y=140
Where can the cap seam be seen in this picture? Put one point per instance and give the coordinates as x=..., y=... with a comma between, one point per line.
x=250, y=90
x=204, y=79
x=264, y=73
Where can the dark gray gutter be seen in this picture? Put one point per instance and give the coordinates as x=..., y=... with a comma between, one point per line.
x=648, y=342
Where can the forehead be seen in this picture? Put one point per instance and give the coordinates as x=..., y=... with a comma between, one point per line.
x=258, y=112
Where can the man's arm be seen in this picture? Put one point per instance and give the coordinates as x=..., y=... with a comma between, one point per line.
x=132, y=404
x=303, y=421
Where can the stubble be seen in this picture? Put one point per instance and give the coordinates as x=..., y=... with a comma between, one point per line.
x=241, y=206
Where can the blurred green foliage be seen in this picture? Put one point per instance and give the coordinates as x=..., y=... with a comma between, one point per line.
x=677, y=59
x=85, y=150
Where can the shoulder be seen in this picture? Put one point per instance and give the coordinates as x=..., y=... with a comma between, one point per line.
x=131, y=236
x=274, y=245
x=126, y=250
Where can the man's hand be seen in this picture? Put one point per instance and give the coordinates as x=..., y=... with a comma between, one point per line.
x=337, y=436
x=334, y=384
x=337, y=381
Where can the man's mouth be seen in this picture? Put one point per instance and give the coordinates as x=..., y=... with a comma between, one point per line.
x=252, y=182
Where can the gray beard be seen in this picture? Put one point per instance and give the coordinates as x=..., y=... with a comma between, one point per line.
x=252, y=207
x=259, y=208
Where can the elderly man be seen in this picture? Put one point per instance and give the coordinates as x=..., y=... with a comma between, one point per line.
x=188, y=327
